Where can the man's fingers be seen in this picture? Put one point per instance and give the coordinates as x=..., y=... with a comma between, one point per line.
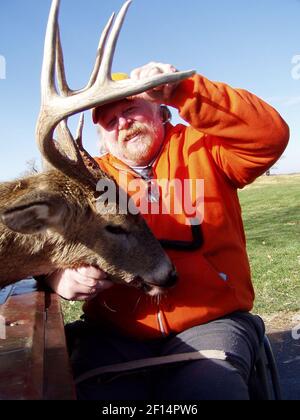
x=90, y=275
x=160, y=93
x=74, y=284
x=85, y=285
x=84, y=297
x=152, y=69
x=90, y=283
x=83, y=290
x=88, y=293
x=90, y=272
x=135, y=74
x=103, y=285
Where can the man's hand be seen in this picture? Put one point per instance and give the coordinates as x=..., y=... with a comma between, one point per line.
x=83, y=283
x=159, y=94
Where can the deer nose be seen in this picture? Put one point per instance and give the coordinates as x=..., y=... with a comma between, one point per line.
x=171, y=279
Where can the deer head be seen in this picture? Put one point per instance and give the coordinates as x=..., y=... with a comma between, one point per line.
x=53, y=220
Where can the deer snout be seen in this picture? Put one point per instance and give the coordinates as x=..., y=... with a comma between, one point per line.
x=164, y=280
x=171, y=279
x=156, y=285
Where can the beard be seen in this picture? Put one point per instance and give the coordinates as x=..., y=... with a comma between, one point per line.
x=139, y=144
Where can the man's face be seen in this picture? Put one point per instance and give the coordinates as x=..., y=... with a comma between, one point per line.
x=132, y=130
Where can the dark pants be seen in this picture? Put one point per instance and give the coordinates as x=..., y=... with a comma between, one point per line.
x=239, y=335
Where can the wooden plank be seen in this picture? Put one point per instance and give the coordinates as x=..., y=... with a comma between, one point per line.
x=59, y=383
x=34, y=363
x=22, y=352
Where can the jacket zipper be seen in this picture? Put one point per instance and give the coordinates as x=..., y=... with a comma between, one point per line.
x=160, y=323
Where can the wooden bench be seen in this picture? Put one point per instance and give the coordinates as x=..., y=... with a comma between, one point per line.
x=34, y=363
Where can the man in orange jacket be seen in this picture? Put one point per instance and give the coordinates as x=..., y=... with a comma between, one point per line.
x=232, y=137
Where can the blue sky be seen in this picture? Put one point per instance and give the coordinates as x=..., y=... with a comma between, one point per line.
x=247, y=44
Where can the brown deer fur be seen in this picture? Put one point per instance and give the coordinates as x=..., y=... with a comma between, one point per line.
x=50, y=222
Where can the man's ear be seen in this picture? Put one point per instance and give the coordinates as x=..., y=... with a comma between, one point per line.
x=35, y=213
x=165, y=113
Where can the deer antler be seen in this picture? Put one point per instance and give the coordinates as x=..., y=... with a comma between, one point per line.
x=100, y=90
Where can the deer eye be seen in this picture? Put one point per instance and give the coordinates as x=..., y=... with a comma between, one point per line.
x=116, y=230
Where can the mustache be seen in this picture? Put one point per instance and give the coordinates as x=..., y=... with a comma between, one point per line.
x=134, y=130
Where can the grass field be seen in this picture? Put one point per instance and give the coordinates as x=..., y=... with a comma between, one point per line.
x=271, y=213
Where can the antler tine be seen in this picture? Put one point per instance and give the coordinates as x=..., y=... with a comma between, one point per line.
x=105, y=68
x=60, y=66
x=48, y=69
x=91, y=165
x=100, y=51
x=80, y=130
x=66, y=142
x=80, y=164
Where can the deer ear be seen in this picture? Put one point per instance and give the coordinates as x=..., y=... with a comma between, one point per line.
x=35, y=213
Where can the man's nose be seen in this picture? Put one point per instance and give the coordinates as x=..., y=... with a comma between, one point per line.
x=124, y=123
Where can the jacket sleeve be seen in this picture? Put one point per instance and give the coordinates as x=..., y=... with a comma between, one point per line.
x=244, y=135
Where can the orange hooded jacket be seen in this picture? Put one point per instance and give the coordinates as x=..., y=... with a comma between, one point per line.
x=232, y=138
